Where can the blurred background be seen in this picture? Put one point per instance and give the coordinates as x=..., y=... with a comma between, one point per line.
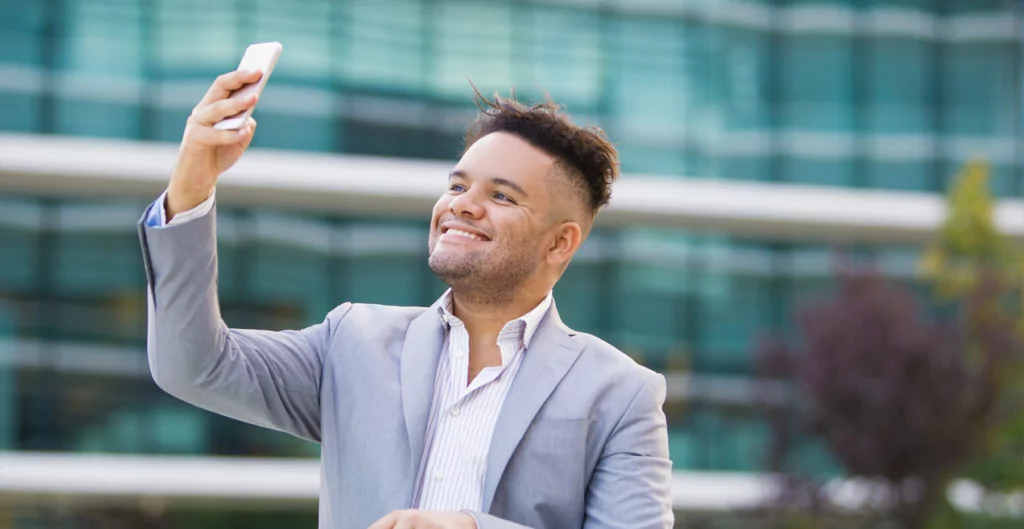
x=756, y=137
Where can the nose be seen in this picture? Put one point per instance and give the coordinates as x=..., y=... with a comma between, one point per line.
x=466, y=205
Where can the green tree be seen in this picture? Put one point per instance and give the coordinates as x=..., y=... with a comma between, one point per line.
x=969, y=242
x=968, y=251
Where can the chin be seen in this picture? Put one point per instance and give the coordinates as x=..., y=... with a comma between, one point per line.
x=450, y=268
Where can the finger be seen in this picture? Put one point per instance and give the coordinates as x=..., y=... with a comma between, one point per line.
x=415, y=519
x=250, y=125
x=227, y=83
x=387, y=522
x=211, y=137
x=218, y=110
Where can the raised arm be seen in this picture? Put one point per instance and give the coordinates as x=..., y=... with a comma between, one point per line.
x=270, y=379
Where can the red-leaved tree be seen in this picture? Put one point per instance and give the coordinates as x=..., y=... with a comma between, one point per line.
x=899, y=399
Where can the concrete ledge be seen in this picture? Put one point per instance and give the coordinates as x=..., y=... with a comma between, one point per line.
x=258, y=482
x=360, y=185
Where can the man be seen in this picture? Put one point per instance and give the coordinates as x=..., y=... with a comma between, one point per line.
x=482, y=410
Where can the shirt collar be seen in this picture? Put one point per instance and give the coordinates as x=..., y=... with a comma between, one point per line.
x=528, y=322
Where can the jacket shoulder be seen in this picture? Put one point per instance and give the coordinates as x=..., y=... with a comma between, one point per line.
x=613, y=360
x=377, y=318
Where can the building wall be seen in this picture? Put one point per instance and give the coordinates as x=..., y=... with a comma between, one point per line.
x=72, y=274
x=861, y=93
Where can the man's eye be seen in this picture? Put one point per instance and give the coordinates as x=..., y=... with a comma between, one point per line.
x=503, y=196
x=456, y=187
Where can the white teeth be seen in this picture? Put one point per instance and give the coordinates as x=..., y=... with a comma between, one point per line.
x=473, y=236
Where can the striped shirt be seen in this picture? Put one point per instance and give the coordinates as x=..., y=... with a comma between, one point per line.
x=463, y=415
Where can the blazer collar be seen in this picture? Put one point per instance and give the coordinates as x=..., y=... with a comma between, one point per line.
x=552, y=352
x=421, y=352
x=530, y=320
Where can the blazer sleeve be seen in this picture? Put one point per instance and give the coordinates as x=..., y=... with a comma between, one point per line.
x=631, y=487
x=269, y=379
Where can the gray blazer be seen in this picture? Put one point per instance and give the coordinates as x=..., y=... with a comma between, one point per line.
x=580, y=442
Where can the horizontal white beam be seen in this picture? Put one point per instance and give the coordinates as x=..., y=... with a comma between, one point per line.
x=360, y=185
x=100, y=478
x=113, y=476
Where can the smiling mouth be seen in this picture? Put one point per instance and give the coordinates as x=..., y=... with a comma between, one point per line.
x=465, y=234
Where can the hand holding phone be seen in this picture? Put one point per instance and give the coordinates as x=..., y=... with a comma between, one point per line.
x=219, y=129
x=260, y=57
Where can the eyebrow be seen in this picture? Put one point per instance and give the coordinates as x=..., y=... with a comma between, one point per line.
x=494, y=180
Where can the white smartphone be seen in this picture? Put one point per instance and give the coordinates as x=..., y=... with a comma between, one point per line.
x=262, y=57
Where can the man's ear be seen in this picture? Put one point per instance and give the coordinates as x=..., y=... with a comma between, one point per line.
x=568, y=237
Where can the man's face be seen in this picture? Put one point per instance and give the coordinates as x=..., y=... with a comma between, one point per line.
x=488, y=232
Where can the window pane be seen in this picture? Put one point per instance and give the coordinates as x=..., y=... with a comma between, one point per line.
x=817, y=82
x=649, y=97
x=564, y=55
x=100, y=62
x=744, y=59
x=580, y=305
x=471, y=39
x=304, y=30
x=977, y=6
x=98, y=278
x=103, y=38
x=20, y=26
x=8, y=379
x=198, y=37
x=288, y=258
x=648, y=293
x=20, y=64
x=382, y=45
x=901, y=112
x=826, y=168
x=908, y=175
x=20, y=224
x=195, y=41
x=386, y=264
x=980, y=87
x=734, y=303
x=809, y=272
x=298, y=108
x=900, y=90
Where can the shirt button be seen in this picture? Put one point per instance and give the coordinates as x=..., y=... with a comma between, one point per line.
x=456, y=411
x=439, y=475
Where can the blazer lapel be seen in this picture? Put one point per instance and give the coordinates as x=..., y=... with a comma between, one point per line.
x=551, y=353
x=421, y=352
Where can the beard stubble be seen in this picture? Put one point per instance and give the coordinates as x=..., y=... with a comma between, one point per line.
x=489, y=277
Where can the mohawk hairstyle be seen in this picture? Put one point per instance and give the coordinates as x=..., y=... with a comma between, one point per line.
x=584, y=153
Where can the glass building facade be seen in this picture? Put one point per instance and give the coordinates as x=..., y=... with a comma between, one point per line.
x=72, y=292
x=863, y=93
x=867, y=94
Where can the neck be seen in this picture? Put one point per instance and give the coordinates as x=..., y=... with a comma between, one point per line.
x=485, y=316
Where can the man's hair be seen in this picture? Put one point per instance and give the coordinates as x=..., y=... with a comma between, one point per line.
x=589, y=160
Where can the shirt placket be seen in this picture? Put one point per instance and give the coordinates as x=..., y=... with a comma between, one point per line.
x=459, y=354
